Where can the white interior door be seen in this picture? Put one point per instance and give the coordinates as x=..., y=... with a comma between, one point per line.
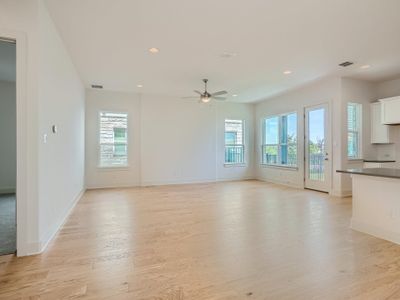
x=317, y=148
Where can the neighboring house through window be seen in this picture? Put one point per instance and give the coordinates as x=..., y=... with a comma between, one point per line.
x=113, y=138
x=234, y=142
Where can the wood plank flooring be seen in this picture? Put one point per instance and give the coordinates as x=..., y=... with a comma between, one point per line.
x=233, y=240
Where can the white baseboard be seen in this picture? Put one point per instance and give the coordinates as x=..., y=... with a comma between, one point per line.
x=196, y=181
x=341, y=194
x=288, y=184
x=176, y=182
x=53, y=232
x=30, y=249
x=170, y=182
x=98, y=187
x=236, y=179
x=7, y=190
x=375, y=231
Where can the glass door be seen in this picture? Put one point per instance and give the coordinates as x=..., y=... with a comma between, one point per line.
x=317, y=160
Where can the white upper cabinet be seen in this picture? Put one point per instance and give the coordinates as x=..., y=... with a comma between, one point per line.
x=380, y=133
x=391, y=110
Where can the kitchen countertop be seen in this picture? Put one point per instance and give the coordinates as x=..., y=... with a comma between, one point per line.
x=377, y=172
x=379, y=161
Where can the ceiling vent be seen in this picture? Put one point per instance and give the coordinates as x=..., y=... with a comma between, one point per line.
x=97, y=86
x=346, y=64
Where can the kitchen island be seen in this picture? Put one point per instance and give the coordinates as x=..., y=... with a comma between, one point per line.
x=376, y=202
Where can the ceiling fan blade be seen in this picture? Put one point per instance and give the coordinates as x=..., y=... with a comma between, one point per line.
x=219, y=93
x=196, y=91
x=190, y=97
x=219, y=98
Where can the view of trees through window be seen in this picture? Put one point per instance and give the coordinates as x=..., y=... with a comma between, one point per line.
x=316, y=144
x=280, y=140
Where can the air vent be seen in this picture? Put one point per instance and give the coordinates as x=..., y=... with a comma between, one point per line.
x=97, y=86
x=346, y=64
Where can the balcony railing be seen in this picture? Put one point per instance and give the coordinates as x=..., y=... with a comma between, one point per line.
x=316, y=166
x=268, y=158
x=234, y=154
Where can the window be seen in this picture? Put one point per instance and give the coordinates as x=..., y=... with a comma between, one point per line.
x=280, y=140
x=234, y=142
x=354, y=125
x=113, y=139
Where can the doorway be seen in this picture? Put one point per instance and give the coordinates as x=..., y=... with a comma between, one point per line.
x=317, y=146
x=8, y=151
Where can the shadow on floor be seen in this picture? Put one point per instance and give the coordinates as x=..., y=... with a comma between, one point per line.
x=7, y=224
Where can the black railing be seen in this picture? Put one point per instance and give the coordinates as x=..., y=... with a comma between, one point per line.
x=316, y=166
x=234, y=154
x=290, y=159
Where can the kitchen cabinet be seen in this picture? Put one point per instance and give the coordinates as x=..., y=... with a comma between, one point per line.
x=380, y=133
x=390, y=110
x=373, y=165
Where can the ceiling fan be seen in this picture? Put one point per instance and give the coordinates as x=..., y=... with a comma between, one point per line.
x=206, y=97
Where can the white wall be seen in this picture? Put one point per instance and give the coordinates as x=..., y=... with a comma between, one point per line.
x=388, y=88
x=8, y=160
x=97, y=101
x=171, y=140
x=61, y=103
x=322, y=91
x=178, y=141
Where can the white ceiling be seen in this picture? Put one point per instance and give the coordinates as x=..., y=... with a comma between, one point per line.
x=108, y=41
x=7, y=61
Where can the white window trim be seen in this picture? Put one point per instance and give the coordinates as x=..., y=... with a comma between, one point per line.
x=110, y=168
x=236, y=164
x=360, y=134
x=279, y=166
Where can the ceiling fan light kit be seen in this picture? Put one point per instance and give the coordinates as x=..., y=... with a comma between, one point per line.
x=206, y=97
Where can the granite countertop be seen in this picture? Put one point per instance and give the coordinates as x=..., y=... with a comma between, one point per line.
x=377, y=172
x=379, y=161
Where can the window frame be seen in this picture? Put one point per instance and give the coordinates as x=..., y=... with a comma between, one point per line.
x=359, y=131
x=99, y=144
x=243, y=145
x=279, y=145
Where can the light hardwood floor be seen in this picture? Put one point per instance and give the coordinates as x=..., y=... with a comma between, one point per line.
x=233, y=240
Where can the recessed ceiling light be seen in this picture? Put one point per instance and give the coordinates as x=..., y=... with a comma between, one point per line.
x=228, y=54
x=365, y=67
x=234, y=95
x=139, y=85
x=154, y=50
x=287, y=72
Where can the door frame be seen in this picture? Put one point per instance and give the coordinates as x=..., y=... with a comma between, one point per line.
x=23, y=218
x=327, y=187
